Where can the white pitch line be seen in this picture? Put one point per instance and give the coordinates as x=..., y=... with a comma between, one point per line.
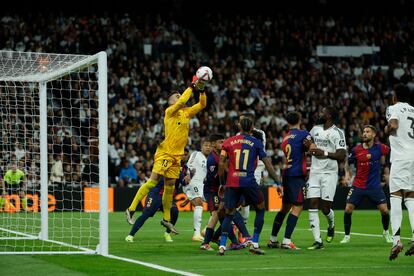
x=264, y=228
x=155, y=266
x=313, y=267
x=352, y=233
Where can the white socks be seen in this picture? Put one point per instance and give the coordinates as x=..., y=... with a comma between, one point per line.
x=286, y=241
x=409, y=203
x=198, y=213
x=331, y=218
x=245, y=212
x=396, y=217
x=314, y=224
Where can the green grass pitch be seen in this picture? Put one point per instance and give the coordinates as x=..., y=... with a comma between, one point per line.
x=365, y=255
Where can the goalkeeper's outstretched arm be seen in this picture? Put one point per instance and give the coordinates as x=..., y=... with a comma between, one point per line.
x=202, y=103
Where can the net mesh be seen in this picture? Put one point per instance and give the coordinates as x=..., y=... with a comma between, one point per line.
x=72, y=147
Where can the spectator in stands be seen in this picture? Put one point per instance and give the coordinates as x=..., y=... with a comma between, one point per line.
x=56, y=171
x=268, y=74
x=127, y=175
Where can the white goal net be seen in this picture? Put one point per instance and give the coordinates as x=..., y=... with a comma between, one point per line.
x=53, y=153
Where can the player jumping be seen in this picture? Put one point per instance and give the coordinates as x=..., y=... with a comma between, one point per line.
x=153, y=203
x=167, y=158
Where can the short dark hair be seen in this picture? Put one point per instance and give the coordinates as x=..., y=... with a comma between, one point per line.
x=293, y=117
x=248, y=115
x=402, y=93
x=246, y=124
x=374, y=129
x=332, y=111
x=215, y=137
x=258, y=135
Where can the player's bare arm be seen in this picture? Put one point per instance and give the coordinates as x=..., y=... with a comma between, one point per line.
x=348, y=173
x=222, y=167
x=391, y=128
x=272, y=173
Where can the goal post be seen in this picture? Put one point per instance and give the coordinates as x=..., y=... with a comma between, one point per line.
x=54, y=129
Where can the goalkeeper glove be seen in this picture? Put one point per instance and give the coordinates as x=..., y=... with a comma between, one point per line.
x=197, y=84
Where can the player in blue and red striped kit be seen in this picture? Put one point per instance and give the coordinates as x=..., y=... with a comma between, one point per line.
x=295, y=144
x=214, y=199
x=367, y=182
x=240, y=153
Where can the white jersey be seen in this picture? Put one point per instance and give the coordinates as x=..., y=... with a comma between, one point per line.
x=264, y=137
x=402, y=143
x=260, y=165
x=329, y=140
x=197, y=162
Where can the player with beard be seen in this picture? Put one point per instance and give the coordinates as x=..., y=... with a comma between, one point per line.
x=367, y=182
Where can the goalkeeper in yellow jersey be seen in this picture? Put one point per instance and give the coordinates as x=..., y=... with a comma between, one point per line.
x=14, y=180
x=168, y=155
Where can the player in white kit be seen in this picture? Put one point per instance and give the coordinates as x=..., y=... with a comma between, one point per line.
x=329, y=148
x=197, y=164
x=400, y=117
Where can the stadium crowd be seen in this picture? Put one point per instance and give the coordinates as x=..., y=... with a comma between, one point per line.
x=266, y=65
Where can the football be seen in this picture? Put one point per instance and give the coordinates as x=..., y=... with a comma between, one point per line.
x=204, y=73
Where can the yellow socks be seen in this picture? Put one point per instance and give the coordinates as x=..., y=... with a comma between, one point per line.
x=167, y=198
x=142, y=192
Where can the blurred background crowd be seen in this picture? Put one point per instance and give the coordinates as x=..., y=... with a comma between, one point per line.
x=263, y=64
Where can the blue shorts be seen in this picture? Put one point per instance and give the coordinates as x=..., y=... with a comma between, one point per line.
x=252, y=195
x=356, y=195
x=293, y=189
x=153, y=203
x=212, y=198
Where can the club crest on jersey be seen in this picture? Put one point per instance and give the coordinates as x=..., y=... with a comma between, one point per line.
x=212, y=168
x=369, y=156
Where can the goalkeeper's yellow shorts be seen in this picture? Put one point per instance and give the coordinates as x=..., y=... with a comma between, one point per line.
x=167, y=165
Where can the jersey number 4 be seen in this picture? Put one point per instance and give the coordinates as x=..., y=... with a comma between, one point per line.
x=245, y=159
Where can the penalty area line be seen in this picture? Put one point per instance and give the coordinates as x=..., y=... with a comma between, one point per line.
x=154, y=266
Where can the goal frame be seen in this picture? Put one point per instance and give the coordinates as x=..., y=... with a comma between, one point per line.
x=43, y=79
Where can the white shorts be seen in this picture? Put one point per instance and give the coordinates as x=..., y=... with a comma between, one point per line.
x=193, y=190
x=402, y=176
x=322, y=185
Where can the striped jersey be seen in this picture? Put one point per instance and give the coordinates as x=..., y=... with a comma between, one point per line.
x=243, y=152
